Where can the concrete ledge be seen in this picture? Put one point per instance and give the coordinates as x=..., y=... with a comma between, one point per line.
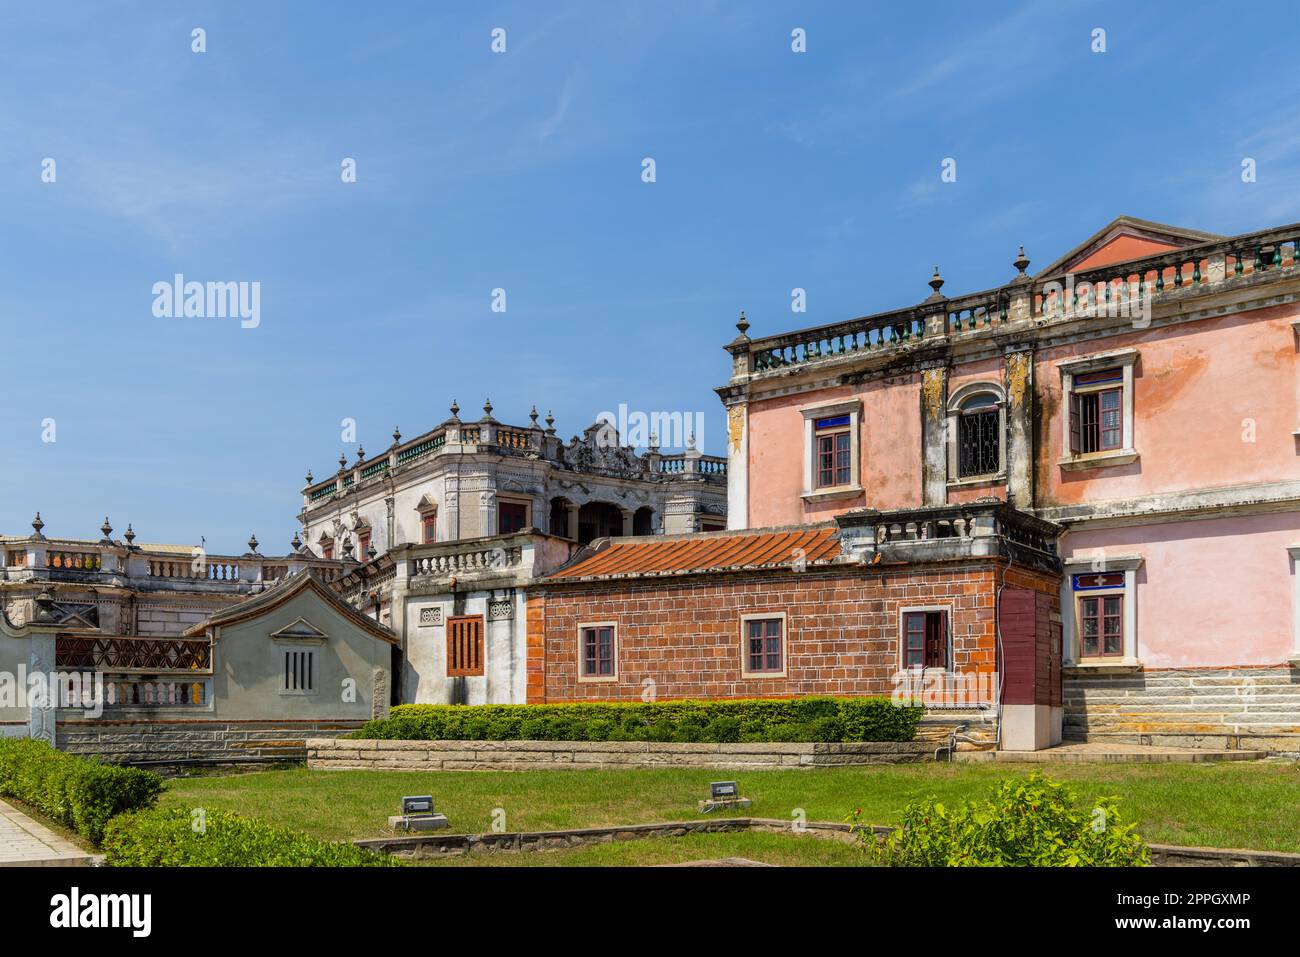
x=351, y=754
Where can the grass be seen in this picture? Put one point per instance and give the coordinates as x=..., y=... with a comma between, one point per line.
x=1233, y=804
x=784, y=850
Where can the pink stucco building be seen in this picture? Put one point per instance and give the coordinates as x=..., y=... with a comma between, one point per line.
x=1140, y=392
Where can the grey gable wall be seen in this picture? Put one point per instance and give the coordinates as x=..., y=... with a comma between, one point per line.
x=248, y=665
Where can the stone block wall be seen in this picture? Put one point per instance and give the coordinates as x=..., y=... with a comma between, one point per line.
x=1224, y=708
x=194, y=741
x=341, y=753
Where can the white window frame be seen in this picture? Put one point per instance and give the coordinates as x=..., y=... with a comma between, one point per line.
x=955, y=402
x=1071, y=633
x=853, y=409
x=745, y=619
x=1125, y=359
x=582, y=652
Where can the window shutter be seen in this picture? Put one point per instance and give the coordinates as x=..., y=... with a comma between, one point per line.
x=1075, y=430
x=465, y=645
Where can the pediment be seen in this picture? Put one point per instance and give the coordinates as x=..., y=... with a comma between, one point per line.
x=299, y=630
x=1126, y=237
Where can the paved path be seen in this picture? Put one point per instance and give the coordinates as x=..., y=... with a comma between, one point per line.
x=27, y=843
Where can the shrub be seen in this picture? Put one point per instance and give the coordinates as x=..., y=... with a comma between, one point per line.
x=169, y=837
x=81, y=793
x=1025, y=822
x=759, y=719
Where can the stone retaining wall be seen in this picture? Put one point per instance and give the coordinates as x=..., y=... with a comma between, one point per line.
x=1255, y=709
x=535, y=755
x=134, y=741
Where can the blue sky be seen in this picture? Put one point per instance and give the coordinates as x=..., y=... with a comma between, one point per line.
x=522, y=170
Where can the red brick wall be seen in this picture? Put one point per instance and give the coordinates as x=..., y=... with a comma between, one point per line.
x=842, y=629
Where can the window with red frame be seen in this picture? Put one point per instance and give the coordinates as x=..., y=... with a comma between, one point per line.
x=363, y=546
x=834, y=451
x=429, y=524
x=327, y=551
x=925, y=639
x=1101, y=626
x=598, y=652
x=764, y=645
x=1097, y=414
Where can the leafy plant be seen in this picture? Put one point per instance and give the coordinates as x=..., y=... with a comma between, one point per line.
x=173, y=837
x=82, y=793
x=1025, y=822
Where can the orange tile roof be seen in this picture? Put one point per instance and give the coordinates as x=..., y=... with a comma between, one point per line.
x=660, y=555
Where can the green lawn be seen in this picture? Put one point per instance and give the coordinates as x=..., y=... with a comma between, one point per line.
x=784, y=850
x=1245, y=804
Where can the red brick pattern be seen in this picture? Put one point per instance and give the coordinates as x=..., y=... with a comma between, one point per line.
x=842, y=629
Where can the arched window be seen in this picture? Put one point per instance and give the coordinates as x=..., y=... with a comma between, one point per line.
x=976, y=431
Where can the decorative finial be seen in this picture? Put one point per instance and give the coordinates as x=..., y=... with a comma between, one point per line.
x=455, y=409
x=1021, y=263
x=936, y=282
x=397, y=435
x=309, y=478
x=347, y=549
x=44, y=610
x=252, y=544
x=361, y=453
x=487, y=408
x=532, y=417
x=129, y=536
x=37, y=525
x=343, y=461
x=296, y=544
x=743, y=324
x=690, y=441
x=370, y=552
x=550, y=421
x=107, y=529
x=653, y=444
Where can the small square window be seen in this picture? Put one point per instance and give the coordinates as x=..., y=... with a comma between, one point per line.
x=598, y=652
x=925, y=639
x=511, y=517
x=832, y=450
x=763, y=645
x=1101, y=626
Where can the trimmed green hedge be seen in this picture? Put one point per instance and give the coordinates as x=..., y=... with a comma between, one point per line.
x=81, y=793
x=175, y=837
x=743, y=719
